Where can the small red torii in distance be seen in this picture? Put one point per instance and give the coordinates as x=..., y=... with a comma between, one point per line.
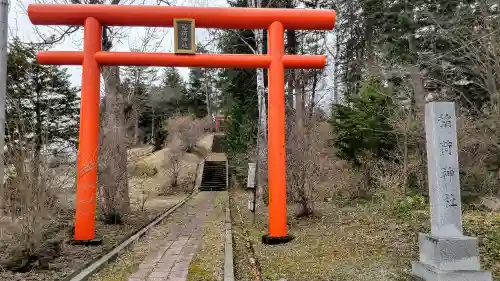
x=94, y=17
x=217, y=120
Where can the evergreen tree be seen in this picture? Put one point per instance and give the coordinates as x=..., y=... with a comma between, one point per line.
x=194, y=101
x=42, y=107
x=239, y=88
x=172, y=78
x=199, y=90
x=361, y=125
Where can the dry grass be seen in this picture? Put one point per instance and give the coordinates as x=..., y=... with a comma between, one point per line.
x=356, y=243
x=156, y=184
x=342, y=244
x=208, y=264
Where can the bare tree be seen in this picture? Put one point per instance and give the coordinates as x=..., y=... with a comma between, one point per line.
x=187, y=129
x=30, y=202
x=137, y=99
x=307, y=165
x=174, y=163
x=115, y=199
x=144, y=194
x=113, y=181
x=141, y=79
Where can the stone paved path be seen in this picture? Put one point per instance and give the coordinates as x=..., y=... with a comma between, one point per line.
x=170, y=262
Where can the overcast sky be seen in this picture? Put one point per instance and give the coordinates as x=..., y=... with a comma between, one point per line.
x=20, y=26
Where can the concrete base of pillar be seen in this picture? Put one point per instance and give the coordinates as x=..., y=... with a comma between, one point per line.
x=449, y=259
x=429, y=273
x=271, y=240
x=93, y=242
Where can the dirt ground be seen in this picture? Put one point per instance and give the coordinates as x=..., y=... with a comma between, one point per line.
x=359, y=242
x=144, y=188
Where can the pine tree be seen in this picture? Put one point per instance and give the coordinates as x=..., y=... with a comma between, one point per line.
x=239, y=87
x=42, y=106
x=172, y=78
x=361, y=125
x=194, y=101
x=199, y=87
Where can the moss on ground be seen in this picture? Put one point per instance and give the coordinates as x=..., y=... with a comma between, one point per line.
x=362, y=242
x=486, y=226
x=208, y=264
x=243, y=268
x=126, y=265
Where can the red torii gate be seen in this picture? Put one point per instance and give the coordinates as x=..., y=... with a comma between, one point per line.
x=217, y=120
x=94, y=17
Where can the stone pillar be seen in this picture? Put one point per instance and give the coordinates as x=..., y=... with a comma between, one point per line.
x=445, y=254
x=252, y=167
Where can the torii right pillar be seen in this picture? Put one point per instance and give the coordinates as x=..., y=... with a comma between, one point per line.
x=276, y=139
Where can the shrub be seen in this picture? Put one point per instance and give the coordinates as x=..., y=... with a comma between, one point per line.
x=187, y=129
x=174, y=162
x=405, y=206
x=144, y=169
x=30, y=204
x=307, y=163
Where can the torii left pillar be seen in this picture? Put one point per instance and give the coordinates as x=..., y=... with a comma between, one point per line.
x=89, y=135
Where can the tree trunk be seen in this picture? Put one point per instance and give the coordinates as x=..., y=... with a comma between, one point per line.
x=153, y=131
x=137, y=140
x=405, y=153
x=418, y=87
x=299, y=108
x=336, y=70
x=207, y=94
x=291, y=47
x=262, y=128
x=262, y=125
x=113, y=185
x=38, y=144
x=371, y=64
x=302, y=140
x=417, y=80
x=136, y=105
x=313, y=93
x=113, y=177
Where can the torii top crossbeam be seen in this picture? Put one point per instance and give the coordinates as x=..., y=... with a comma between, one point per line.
x=163, y=16
x=94, y=17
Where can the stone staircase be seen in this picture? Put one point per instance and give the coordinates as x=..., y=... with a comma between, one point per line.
x=214, y=176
